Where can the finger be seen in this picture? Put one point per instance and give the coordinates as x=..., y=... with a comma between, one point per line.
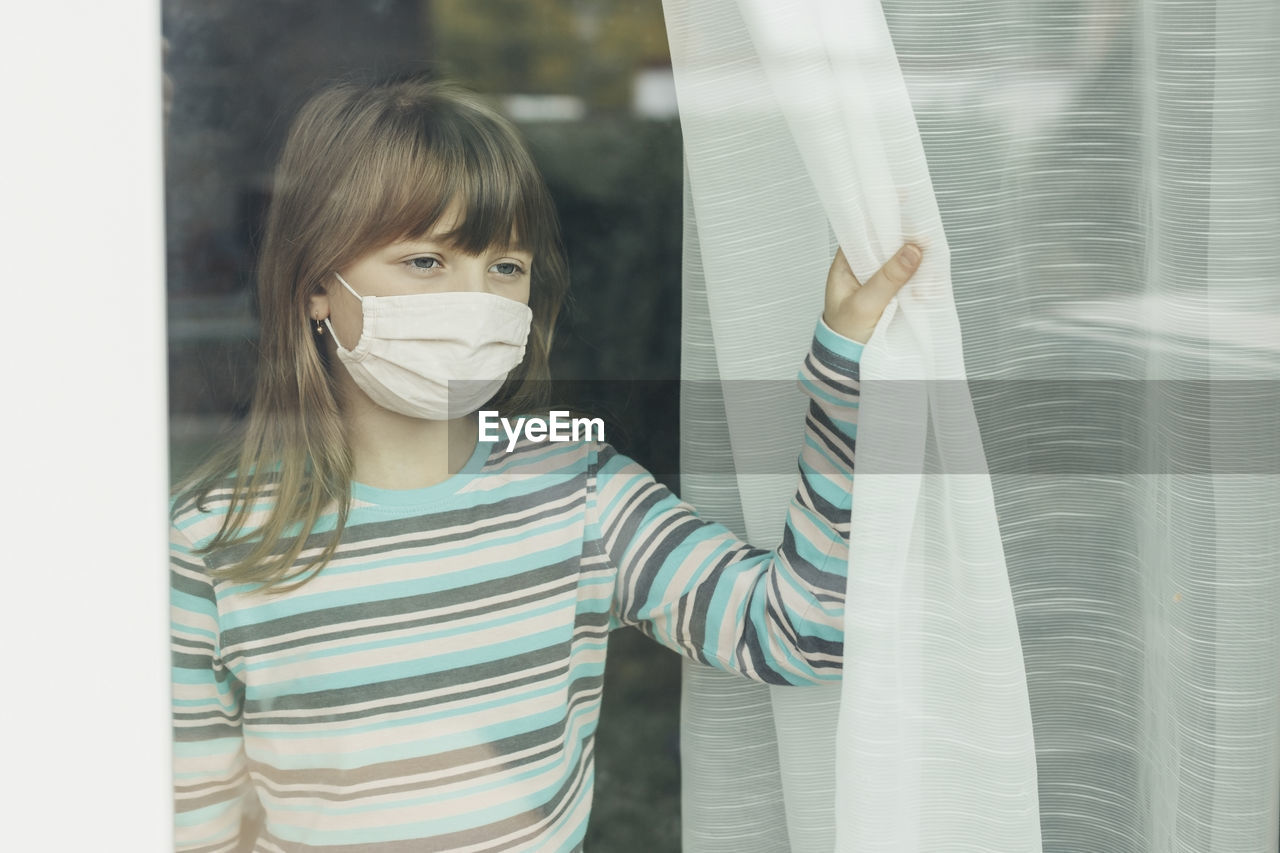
x=890, y=278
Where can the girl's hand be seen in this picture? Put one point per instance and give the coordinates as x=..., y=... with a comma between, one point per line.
x=852, y=308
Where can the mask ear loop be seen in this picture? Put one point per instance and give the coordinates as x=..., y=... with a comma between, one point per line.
x=350, y=290
x=347, y=286
x=331, y=333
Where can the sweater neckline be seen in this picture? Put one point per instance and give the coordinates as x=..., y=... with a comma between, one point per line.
x=445, y=488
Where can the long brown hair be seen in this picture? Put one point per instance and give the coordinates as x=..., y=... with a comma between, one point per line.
x=363, y=166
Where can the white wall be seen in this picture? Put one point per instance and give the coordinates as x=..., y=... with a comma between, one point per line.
x=84, y=624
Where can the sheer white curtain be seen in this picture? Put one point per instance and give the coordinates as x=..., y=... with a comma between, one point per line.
x=1097, y=185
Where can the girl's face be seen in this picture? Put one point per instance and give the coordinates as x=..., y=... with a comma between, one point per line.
x=423, y=265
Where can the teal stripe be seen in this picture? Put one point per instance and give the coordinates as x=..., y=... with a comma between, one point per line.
x=723, y=604
x=483, y=653
x=820, y=391
x=396, y=752
x=403, y=507
x=830, y=490
x=197, y=678
x=184, y=629
x=465, y=575
x=500, y=619
x=424, y=747
x=227, y=746
x=838, y=343
x=816, y=554
x=623, y=485
x=582, y=669
x=791, y=663
x=198, y=704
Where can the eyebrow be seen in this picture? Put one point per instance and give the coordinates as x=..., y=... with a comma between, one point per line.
x=433, y=242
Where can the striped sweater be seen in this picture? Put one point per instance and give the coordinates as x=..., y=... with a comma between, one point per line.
x=437, y=686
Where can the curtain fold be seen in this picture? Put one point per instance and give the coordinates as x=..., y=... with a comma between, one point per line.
x=1066, y=515
x=727, y=730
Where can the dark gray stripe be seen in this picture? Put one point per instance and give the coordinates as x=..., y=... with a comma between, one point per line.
x=707, y=590
x=833, y=360
x=481, y=608
x=479, y=835
x=670, y=534
x=810, y=574
x=817, y=646
x=191, y=564
x=548, y=740
x=751, y=650
x=226, y=795
x=396, y=687
x=415, y=704
x=198, y=660
x=839, y=445
x=829, y=512
x=841, y=385
x=205, y=663
x=436, y=531
x=179, y=582
x=185, y=734
x=389, y=607
x=213, y=712
x=436, y=526
x=631, y=514
x=549, y=750
x=802, y=644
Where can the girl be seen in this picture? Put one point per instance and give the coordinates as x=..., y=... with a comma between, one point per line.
x=390, y=635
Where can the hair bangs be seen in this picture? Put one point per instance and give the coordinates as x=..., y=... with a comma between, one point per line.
x=502, y=192
x=496, y=210
x=448, y=156
x=404, y=186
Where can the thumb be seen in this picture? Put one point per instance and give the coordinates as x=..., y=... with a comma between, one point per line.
x=890, y=278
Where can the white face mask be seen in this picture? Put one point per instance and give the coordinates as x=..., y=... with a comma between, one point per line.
x=412, y=346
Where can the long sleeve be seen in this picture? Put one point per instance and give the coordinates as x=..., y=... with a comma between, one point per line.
x=210, y=777
x=692, y=585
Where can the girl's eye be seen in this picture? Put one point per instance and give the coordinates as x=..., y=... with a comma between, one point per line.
x=425, y=263
x=507, y=268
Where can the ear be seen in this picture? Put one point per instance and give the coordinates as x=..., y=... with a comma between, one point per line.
x=318, y=305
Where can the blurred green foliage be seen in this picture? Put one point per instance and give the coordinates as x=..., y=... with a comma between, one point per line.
x=617, y=186
x=637, y=793
x=588, y=48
